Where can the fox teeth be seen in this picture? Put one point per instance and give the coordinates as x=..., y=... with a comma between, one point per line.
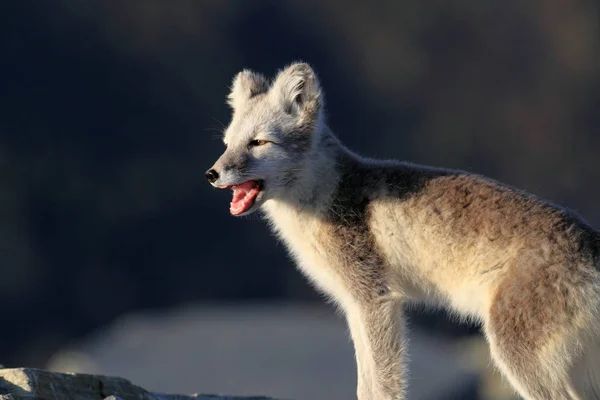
x=244, y=196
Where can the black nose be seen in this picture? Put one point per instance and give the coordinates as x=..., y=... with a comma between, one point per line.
x=211, y=175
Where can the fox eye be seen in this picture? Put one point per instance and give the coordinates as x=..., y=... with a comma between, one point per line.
x=257, y=142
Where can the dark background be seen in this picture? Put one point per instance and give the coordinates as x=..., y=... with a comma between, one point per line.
x=110, y=112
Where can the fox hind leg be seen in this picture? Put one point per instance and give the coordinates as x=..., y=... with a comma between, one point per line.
x=554, y=375
x=536, y=378
x=536, y=326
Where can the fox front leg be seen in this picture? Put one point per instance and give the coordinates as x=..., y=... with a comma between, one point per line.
x=377, y=331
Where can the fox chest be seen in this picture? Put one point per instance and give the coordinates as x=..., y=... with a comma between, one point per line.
x=318, y=253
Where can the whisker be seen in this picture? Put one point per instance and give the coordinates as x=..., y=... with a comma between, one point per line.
x=214, y=129
x=220, y=123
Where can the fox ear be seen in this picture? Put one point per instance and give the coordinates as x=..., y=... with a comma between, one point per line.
x=246, y=85
x=297, y=90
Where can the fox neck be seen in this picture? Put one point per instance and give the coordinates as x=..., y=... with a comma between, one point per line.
x=312, y=188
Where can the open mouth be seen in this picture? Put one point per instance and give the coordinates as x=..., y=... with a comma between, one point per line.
x=244, y=196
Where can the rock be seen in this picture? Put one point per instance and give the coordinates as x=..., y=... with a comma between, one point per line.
x=37, y=384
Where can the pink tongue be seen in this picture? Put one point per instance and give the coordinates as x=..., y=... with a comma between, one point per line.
x=243, y=197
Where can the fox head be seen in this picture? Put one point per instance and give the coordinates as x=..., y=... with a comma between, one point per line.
x=271, y=136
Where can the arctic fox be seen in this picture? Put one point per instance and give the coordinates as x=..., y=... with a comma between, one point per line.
x=374, y=235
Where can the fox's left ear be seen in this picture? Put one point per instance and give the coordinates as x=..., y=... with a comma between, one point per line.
x=297, y=90
x=246, y=85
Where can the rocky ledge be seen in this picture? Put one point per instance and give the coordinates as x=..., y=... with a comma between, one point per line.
x=36, y=384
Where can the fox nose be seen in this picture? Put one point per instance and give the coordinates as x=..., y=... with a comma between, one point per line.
x=211, y=175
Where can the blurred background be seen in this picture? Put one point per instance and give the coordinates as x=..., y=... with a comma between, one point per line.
x=117, y=257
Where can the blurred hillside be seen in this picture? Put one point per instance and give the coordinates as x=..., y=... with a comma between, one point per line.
x=110, y=111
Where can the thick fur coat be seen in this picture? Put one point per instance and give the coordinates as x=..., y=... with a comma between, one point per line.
x=374, y=235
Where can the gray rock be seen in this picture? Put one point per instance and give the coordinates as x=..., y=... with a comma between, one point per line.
x=37, y=384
